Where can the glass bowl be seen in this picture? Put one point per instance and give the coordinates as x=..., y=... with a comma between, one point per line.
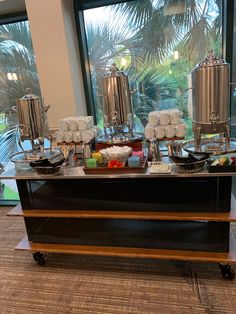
x=120, y=153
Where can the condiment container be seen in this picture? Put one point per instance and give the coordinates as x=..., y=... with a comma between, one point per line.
x=91, y=162
x=134, y=161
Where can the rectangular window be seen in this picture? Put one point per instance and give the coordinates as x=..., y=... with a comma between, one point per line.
x=17, y=73
x=156, y=43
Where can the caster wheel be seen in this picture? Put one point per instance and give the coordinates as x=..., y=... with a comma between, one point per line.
x=39, y=258
x=227, y=272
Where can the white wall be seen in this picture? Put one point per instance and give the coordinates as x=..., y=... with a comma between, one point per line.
x=57, y=57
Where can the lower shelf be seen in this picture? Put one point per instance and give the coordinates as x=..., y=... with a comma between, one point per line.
x=112, y=214
x=229, y=257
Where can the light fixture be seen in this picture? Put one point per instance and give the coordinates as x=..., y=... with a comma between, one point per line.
x=11, y=76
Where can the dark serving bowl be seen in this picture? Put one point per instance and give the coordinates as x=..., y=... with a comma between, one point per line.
x=190, y=163
x=188, y=159
x=191, y=167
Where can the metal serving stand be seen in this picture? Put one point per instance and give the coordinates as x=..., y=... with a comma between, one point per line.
x=213, y=146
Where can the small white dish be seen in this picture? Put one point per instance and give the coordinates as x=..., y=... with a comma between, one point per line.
x=160, y=167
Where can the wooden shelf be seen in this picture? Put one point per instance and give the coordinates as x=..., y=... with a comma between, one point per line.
x=178, y=216
x=229, y=257
x=16, y=211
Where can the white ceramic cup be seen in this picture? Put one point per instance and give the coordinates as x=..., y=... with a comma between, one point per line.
x=87, y=135
x=170, y=131
x=84, y=123
x=175, y=117
x=180, y=130
x=164, y=118
x=76, y=136
x=59, y=136
x=73, y=124
x=64, y=124
x=153, y=118
x=160, y=131
x=149, y=132
x=68, y=136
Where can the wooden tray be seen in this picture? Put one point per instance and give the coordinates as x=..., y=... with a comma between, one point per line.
x=126, y=169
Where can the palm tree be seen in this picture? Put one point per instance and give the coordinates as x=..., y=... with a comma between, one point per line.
x=155, y=29
x=17, y=72
x=161, y=25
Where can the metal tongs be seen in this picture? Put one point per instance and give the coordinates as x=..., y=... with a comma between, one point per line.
x=175, y=153
x=174, y=148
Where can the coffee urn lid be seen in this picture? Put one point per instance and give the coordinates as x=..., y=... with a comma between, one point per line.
x=29, y=95
x=114, y=71
x=211, y=60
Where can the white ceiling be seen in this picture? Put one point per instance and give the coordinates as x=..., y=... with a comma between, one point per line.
x=11, y=6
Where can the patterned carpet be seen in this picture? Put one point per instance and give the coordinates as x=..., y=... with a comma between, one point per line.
x=81, y=284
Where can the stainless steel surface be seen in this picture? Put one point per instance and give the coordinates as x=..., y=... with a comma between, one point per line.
x=117, y=108
x=32, y=117
x=213, y=146
x=174, y=148
x=78, y=173
x=124, y=138
x=210, y=94
x=51, y=155
x=154, y=150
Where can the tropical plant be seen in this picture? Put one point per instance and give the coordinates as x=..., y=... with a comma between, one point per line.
x=147, y=32
x=161, y=25
x=17, y=72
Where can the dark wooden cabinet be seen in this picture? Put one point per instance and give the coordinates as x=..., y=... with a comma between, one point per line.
x=180, y=217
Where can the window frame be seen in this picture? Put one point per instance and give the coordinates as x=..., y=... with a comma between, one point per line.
x=13, y=17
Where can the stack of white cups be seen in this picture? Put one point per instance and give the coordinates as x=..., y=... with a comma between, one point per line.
x=165, y=124
x=76, y=129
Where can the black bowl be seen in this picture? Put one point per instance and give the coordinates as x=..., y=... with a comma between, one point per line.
x=188, y=159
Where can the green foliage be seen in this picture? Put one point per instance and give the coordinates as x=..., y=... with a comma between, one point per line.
x=145, y=35
x=16, y=57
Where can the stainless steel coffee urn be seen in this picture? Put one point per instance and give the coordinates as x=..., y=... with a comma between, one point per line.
x=32, y=117
x=33, y=124
x=210, y=96
x=117, y=107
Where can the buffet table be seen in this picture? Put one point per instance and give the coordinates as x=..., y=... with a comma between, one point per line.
x=164, y=216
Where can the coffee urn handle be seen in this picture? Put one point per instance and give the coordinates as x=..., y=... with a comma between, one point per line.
x=45, y=108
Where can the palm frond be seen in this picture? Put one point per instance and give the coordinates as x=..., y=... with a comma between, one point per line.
x=16, y=32
x=8, y=144
x=16, y=56
x=195, y=46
